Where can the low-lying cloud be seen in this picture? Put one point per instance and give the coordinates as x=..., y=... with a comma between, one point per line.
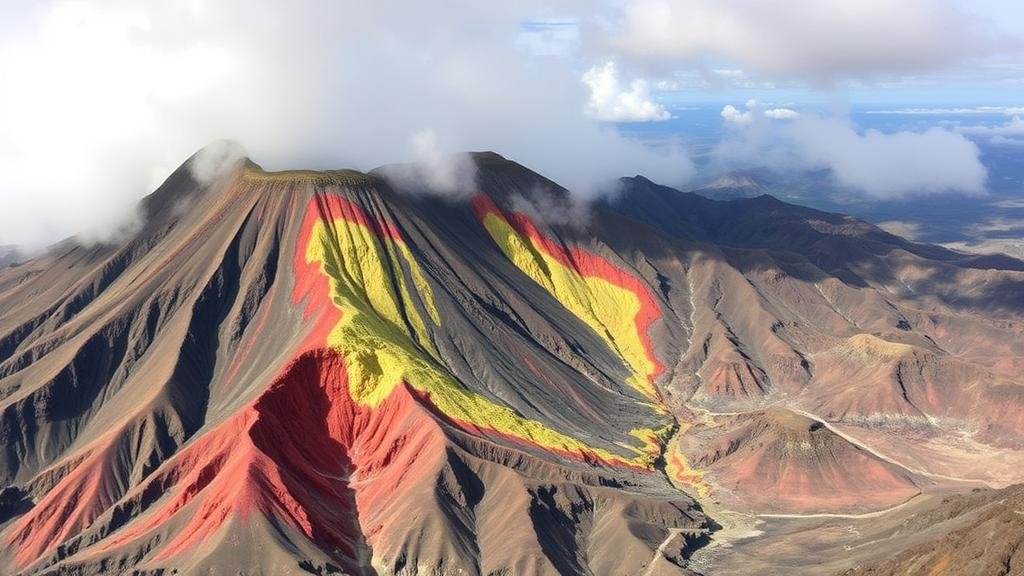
x=433, y=170
x=1009, y=133
x=875, y=164
x=754, y=111
x=551, y=210
x=216, y=160
x=101, y=102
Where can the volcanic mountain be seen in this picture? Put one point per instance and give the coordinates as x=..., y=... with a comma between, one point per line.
x=337, y=372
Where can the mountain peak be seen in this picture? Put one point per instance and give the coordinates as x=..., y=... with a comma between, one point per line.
x=735, y=180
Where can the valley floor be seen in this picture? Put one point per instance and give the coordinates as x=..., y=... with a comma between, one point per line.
x=793, y=545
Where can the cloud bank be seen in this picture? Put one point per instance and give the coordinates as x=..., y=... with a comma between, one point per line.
x=810, y=40
x=101, y=101
x=1009, y=133
x=753, y=111
x=879, y=165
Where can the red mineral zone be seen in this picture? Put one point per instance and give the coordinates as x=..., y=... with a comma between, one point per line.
x=441, y=394
x=306, y=455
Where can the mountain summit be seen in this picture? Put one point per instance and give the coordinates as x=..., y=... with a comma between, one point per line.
x=324, y=372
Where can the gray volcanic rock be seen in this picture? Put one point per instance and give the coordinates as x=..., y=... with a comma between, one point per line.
x=337, y=371
x=990, y=544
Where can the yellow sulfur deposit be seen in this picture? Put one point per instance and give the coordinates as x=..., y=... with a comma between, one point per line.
x=608, y=309
x=384, y=341
x=678, y=469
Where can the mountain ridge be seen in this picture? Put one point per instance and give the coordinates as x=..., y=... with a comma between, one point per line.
x=469, y=360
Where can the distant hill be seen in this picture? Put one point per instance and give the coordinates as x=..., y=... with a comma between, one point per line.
x=746, y=184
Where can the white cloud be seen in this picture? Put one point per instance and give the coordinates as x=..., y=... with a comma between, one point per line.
x=216, y=160
x=876, y=164
x=610, y=101
x=1010, y=133
x=900, y=163
x=732, y=114
x=434, y=170
x=702, y=79
x=1014, y=127
x=781, y=113
x=807, y=39
x=754, y=112
x=736, y=78
x=666, y=85
x=445, y=173
x=734, y=74
x=102, y=100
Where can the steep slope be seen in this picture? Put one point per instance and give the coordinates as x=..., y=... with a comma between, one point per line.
x=333, y=371
x=910, y=349
x=315, y=369
x=990, y=544
x=777, y=460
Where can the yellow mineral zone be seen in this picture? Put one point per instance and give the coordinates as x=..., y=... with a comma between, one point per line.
x=653, y=441
x=870, y=346
x=384, y=341
x=610, y=310
x=678, y=469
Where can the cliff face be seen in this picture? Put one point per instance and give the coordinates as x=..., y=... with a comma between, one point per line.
x=318, y=371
